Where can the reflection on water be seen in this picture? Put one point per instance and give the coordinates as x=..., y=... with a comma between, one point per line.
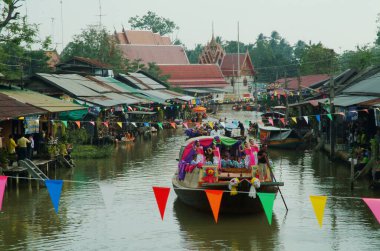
x=28, y=220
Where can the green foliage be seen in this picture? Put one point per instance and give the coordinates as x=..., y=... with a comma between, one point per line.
x=77, y=136
x=95, y=43
x=318, y=59
x=193, y=55
x=377, y=41
x=93, y=152
x=154, y=23
x=359, y=59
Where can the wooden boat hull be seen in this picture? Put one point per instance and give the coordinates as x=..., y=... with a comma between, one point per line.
x=289, y=143
x=240, y=203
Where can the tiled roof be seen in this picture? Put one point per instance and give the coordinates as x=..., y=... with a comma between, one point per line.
x=159, y=54
x=306, y=81
x=230, y=64
x=195, y=75
x=11, y=108
x=141, y=37
x=92, y=62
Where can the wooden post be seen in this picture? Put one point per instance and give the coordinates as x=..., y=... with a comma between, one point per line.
x=286, y=98
x=332, y=122
x=352, y=169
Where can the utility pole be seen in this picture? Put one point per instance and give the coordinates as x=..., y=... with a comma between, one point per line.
x=286, y=98
x=238, y=63
x=62, y=25
x=332, y=122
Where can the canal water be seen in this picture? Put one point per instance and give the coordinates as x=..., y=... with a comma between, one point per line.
x=131, y=220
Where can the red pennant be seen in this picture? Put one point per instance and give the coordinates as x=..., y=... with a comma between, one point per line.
x=185, y=125
x=366, y=110
x=92, y=123
x=105, y=124
x=214, y=198
x=161, y=194
x=271, y=121
x=282, y=121
x=173, y=125
x=78, y=123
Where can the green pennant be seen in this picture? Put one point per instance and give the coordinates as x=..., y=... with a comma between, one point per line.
x=64, y=122
x=329, y=116
x=246, y=122
x=160, y=125
x=267, y=200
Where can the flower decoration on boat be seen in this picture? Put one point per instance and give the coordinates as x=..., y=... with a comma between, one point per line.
x=255, y=184
x=233, y=186
x=210, y=175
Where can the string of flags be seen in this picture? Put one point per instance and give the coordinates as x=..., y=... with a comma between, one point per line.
x=214, y=197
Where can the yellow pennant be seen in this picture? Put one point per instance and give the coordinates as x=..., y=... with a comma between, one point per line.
x=211, y=124
x=120, y=124
x=294, y=119
x=319, y=203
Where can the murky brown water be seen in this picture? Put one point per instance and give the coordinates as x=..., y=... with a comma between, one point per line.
x=28, y=220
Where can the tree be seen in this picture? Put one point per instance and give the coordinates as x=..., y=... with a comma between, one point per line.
x=154, y=23
x=193, y=55
x=359, y=59
x=95, y=43
x=318, y=59
x=377, y=42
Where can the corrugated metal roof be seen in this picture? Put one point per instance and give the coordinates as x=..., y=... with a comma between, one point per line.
x=11, y=108
x=117, y=85
x=71, y=83
x=370, y=85
x=152, y=84
x=134, y=81
x=345, y=101
x=41, y=101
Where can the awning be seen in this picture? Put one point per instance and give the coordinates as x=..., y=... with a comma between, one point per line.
x=141, y=112
x=346, y=101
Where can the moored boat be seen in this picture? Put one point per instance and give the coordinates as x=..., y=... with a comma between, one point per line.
x=280, y=137
x=190, y=182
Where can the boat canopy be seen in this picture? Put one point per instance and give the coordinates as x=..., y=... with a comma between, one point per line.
x=206, y=142
x=281, y=136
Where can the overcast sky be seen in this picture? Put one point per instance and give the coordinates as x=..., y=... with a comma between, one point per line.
x=338, y=24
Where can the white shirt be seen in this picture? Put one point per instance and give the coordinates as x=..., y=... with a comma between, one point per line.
x=215, y=133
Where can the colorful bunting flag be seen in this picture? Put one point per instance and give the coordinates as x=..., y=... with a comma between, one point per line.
x=329, y=116
x=306, y=119
x=134, y=124
x=78, y=123
x=319, y=203
x=162, y=195
x=105, y=123
x=54, y=187
x=173, y=125
x=282, y=121
x=92, y=123
x=160, y=125
x=267, y=200
x=64, y=122
x=365, y=110
x=211, y=124
x=3, y=183
x=271, y=121
x=318, y=117
x=146, y=124
x=130, y=108
x=223, y=124
x=21, y=118
x=214, y=198
x=374, y=205
x=108, y=191
x=185, y=125
x=120, y=124
x=294, y=119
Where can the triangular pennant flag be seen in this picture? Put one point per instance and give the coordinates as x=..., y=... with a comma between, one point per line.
x=92, y=123
x=374, y=205
x=160, y=125
x=54, y=187
x=319, y=203
x=105, y=123
x=267, y=200
x=3, y=183
x=294, y=119
x=282, y=121
x=214, y=198
x=246, y=122
x=134, y=124
x=64, y=122
x=77, y=123
x=120, y=124
x=211, y=124
x=271, y=121
x=342, y=113
x=146, y=124
x=365, y=110
x=329, y=116
x=130, y=108
x=306, y=119
x=223, y=124
x=161, y=194
x=108, y=191
x=21, y=118
x=172, y=124
x=318, y=117
x=185, y=125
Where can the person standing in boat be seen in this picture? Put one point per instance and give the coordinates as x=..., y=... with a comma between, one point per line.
x=263, y=162
x=255, y=149
x=249, y=157
x=199, y=151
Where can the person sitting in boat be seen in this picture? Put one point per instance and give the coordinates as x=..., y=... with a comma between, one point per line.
x=241, y=163
x=263, y=162
x=215, y=153
x=250, y=158
x=208, y=161
x=199, y=151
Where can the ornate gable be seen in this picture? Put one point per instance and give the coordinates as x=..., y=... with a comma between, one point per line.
x=213, y=53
